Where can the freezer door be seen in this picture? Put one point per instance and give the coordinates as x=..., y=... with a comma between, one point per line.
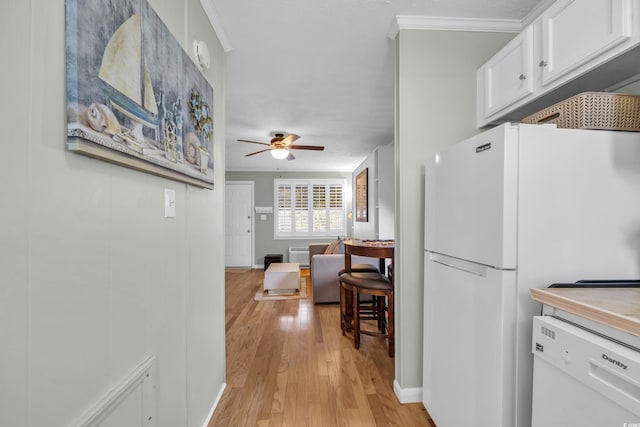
x=469, y=343
x=470, y=199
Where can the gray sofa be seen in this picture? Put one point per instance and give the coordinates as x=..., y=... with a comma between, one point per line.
x=324, y=270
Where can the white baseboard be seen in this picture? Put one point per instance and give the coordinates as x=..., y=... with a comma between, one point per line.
x=215, y=405
x=407, y=395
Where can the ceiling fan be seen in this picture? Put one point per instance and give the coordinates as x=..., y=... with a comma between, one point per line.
x=280, y=146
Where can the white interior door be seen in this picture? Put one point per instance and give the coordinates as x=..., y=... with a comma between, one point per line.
x=239, y=224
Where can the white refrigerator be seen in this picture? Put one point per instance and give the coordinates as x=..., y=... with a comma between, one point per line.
x=516, y=207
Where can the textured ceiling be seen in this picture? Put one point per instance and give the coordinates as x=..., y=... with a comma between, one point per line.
x=323, y=69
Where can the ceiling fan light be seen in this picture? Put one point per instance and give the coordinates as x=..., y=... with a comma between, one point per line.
x=280, y=153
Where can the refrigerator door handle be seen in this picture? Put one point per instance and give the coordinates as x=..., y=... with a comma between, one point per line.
x=459, y=264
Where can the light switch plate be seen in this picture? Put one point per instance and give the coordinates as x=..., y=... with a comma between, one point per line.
x=169, y=203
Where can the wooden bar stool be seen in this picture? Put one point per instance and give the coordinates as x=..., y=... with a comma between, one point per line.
x=376, y=285
x=365, y=306
x=361, y=268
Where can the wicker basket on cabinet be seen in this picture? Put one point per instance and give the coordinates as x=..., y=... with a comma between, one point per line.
x=593, y=110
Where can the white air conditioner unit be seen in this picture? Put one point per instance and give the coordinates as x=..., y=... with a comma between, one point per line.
x=299, y=255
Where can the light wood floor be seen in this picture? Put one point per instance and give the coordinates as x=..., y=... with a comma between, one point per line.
x=289, y=365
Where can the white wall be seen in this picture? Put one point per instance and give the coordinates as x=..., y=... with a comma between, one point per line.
x=264, y=196
x=435, y=107
x=362, y=229
x=386, y=192
x=381, y=199
x=94, y=279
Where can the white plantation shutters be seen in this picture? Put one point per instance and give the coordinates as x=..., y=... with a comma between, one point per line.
x=319, y=208
x=284, y=213
x=308, y=208
x=301, y=211
x=337, y=210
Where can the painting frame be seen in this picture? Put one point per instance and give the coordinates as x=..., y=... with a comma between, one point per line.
x=134, y=96
x=362, y=196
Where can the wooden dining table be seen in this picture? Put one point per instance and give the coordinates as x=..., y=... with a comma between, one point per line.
x=381, y=249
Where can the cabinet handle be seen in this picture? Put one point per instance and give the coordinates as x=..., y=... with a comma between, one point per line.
x=543, y=63
x=522, y=77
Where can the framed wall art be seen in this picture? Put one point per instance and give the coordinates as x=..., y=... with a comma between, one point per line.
x=362, y=196
x=134, y=96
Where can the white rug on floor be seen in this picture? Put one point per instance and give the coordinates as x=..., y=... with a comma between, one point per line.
x=299, y=294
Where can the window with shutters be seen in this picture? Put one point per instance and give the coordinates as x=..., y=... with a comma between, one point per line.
x=309, y=208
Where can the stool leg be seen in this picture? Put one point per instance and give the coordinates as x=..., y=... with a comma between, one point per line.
x=356, y=318
x=343, y=311
x=380, y=313
x=348, y=304
x=390, y=332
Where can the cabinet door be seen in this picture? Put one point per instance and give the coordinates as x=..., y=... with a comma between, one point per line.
x=507, y=77
x=575, y=31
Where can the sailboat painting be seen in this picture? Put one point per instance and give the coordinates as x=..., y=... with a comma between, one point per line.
x=134, y=96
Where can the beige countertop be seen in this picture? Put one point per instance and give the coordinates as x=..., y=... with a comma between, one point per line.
x=618, y=308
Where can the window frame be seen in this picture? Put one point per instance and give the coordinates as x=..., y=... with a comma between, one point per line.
x=310, y=184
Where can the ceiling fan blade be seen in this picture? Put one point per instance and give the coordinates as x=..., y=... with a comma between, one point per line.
x=307, y=147
x=253, y=142
x=258, y=152
x=289, y=139
x=290, y=157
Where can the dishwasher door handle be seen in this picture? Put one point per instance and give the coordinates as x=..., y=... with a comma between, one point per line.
x=608, y=381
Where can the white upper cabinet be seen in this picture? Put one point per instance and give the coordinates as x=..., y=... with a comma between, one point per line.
x=508, y=76
x=575, y=31
x=573, y=46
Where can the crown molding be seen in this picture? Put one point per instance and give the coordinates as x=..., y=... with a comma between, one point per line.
x=211, y=13
x=301, y=169
x=409, y=22
x=536, y=12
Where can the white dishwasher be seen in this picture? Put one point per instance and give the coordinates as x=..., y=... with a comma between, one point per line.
x=585, y=374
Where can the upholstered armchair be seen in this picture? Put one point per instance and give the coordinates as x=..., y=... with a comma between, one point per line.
x=324, y=270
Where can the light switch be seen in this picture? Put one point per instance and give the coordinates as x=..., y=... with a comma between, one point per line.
x=169, y=203
x=263, y=217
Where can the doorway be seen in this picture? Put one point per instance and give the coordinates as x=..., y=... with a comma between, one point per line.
x=239, y=221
